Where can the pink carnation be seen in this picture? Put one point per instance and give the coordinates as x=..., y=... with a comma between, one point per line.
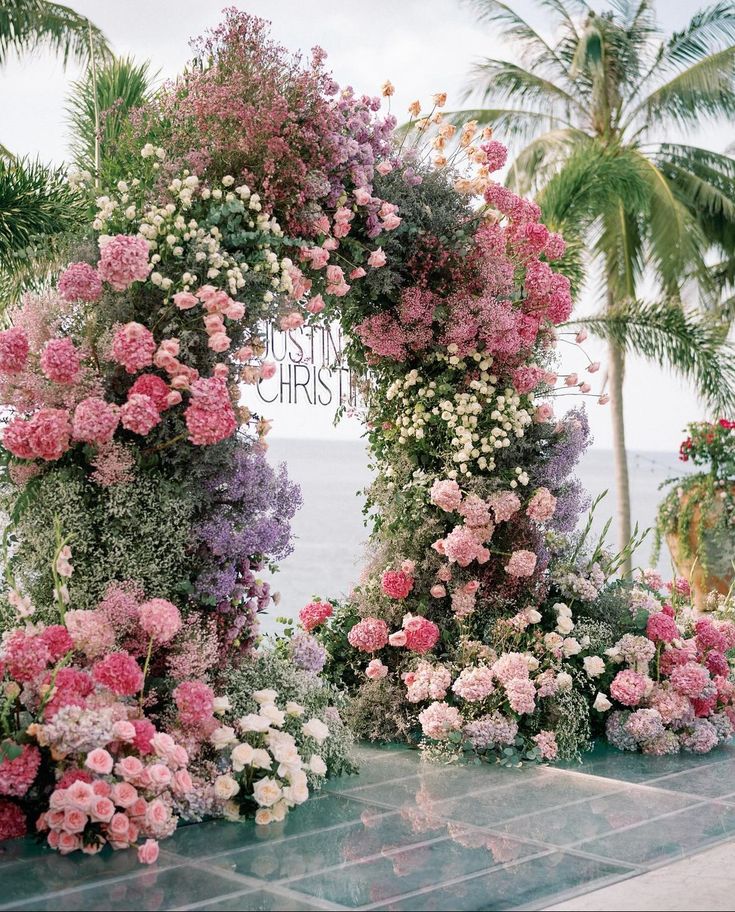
x=446, y=495
x=368, y=635
x=541, y=506
x=124, y=260
x=396, y=584
x=120, y=673
x=80, y=282
x=154, y=387
x=661, y=628
x=60, y=361
x=16, y=776
x=462, y=547
x=139, y=414
x=95, y=421
x=439, y=720
x=133, y=346
x=629, y=687
x=160, y=619
x=14, y=349
x=421, y=634
x=49, y=431
x=209, y=416
x=690, y=679
x=521, y=564
x=314, y=614
x=195, y=702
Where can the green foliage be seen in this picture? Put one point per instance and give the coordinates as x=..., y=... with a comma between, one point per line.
x=31, y=25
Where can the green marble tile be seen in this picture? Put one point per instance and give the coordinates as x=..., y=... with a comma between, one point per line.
x=308, y=854
x=525, y=796
x=362, y=883
x=260, y=901
x=15, y=851
x=532, y=884
x=375, y=767
x=214, y=837
x=148, y=891
x=595, y=816
x=715, y=780
x=606, y=761
x=669, y=838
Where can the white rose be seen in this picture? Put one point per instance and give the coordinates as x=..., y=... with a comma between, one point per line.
x=221, y=704
x=533, y=616
x=279, y=811
x=571, y=647
x=294, y=709
x=315, y=729
x=564, y=624
x=223, y=736
x=225, y=787
x=254, y=723
x=564, y=681
x=231, y=811
x=562, y=609
x=261, y=759
x=265, y=696
x=601, y=704
x=263, y=817
x=267, y=791
x=286, y=753
x=594, y=666
x=552, y=641
x=296, y=794
x=241, y=757
x=273, y=714
x=317, y=765
x=532, y=662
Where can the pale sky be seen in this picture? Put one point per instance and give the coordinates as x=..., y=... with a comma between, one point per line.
x=422, y=46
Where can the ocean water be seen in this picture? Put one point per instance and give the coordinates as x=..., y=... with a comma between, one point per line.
x=330, y=534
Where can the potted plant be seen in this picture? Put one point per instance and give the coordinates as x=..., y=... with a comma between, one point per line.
x=697, y=516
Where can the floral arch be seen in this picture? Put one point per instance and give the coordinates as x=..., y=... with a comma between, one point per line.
x=141, y=506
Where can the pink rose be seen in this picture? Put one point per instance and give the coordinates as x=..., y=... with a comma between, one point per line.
x=182, y=782
x=119, y=827
x=377, y=258
x=184, y=300
x=101, y=788
x=66, y=842
x=235, y=310
x=315, y=304
x=438, y=591
x=156, y=814
x=160, y=775
x=79, y=795
x=267, y=370
x=148, y=852
x=74, y=820
x=129, y=768
x=102, y=810
x=99, y=761
x=219, y=342
x=362, y=196
x=123, y=731
x=124, y=795
x=138, y=808
x=398, y=638
x=376, y=670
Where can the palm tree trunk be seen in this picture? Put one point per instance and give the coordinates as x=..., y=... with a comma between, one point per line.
x=616, y=375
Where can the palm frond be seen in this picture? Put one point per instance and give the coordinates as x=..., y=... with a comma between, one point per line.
x=694, y=346
x=31, y=25
x=500, y=80
x=535, y=164
x=514, y=125
x=122, y=86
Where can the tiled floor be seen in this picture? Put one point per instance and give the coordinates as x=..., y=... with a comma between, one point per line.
x=405, y=836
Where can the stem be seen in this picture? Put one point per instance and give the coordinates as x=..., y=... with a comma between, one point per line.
x=165, y=445
x=93, y=60
x=620, y=455
x=145, y=671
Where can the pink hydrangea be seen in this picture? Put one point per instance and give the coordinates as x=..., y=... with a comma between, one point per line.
x=510, y=665
x=120, y=673
x=427, y=682
x=12, y=821
x=14, y=347
x=16, y=776
x=57, y=641
x=545, y=741
x=315, y=614
x=160, y=619
x=154, y=387
x=439, y=720
x=60, y=361
x=521, y=693
x=124, y=260
x=521, y=564
x=144, y=733
x=421, y=634
x=541, y=506
x=701, y=739
x=476, y=512
x=446, y=495
x=80, y=282
x=90, y=631
x=194, y=701
x=16, y=439
x=474, y=683
x=709, y=635
x=629, y=687
x=95, y=421
x=690, y=679
x=209, y=416
x=139, y=414
x=369, y=635
x=49, y=433
x=25, y=656
x=504, y=505
x=133, y=346
x=661, y=628
x=462, y=547
x=396, y=584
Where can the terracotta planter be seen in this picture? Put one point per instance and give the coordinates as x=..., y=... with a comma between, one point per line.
x=707, y=559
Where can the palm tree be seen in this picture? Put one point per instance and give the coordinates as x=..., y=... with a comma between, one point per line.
x=586, y=111
x=31, y=25
x=98, y=108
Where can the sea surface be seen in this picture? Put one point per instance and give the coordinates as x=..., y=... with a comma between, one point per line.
x=329, y=532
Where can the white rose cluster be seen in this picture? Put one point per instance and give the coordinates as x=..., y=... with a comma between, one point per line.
x=266, y=762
